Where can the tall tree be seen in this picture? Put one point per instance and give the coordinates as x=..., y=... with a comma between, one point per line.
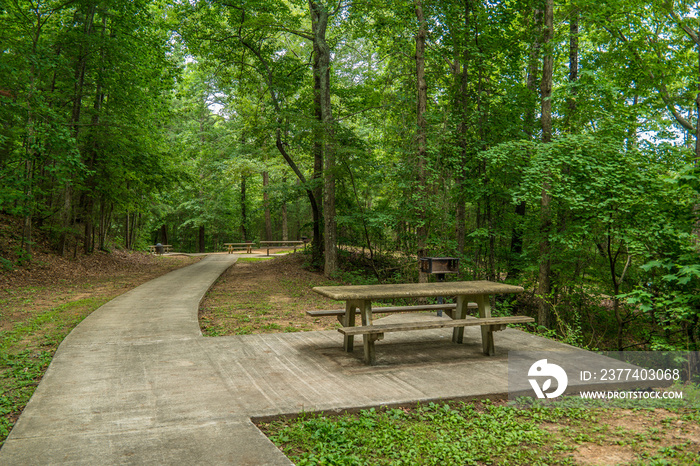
x=420, y=197
x=460, y=71
x=544, y=288
x=320, y=15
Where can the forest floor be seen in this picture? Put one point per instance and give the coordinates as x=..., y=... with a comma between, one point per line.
x=265, y=296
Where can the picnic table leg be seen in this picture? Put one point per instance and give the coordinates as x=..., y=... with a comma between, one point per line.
x=349, y=321
x=486, y=331
x=368, y=339
x=460, y=313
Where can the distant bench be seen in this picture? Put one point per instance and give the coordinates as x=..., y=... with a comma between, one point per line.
x=247, y=247
x=280, y=245
x=154, y=248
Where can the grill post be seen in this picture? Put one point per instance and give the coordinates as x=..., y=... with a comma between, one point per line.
x=439, y=266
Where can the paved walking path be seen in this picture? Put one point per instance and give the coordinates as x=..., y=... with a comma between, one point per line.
x=137, y=383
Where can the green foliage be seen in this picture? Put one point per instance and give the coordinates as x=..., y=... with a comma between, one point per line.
x=463, y=433
x=433, y=434
x=670, y=295
x=84, y=85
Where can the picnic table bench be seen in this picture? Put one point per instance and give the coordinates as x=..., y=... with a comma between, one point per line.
x=359, y=299
x=247, y=247
x=153, y=249
x=280, y=244
x=339, y=313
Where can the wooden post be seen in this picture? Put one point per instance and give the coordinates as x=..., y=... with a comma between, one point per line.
x=368, y=339
x=349, y=321
x=486, y=332
x=460, y=313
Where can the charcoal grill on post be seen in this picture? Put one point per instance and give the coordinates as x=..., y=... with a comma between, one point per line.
x=439, y=266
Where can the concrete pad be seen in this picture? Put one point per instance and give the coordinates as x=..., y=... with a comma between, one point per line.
x=137, y=383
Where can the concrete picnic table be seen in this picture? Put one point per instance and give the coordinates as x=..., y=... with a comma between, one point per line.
x=360, y=297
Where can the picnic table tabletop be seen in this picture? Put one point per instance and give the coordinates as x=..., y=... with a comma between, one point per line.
x=415, y=290
x=282, y=242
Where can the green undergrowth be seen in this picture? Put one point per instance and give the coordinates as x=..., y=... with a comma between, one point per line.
x=483, y=433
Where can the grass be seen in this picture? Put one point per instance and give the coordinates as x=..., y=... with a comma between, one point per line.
x=253, y=259
x=485, y=433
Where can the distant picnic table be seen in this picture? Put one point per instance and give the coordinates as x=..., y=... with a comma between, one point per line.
x=360, y=297
x=156, y=248
x=280, y=245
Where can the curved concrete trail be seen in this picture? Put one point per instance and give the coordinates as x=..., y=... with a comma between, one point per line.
x=137, y=383
x=133, y=384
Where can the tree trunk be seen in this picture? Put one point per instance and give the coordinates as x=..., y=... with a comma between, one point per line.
x=697, y=109
x=545, y=269
x=547, y=72
x=101, y=226
x=27, y=220
x=607, y=252
x=491, y=271
x=318, y=245
x=127, y=229
x=533, y=71
x=462, y=78
x=461, y=214
x=66, y=217
x=164, y=233
x=573, y=72
x=319, y=24
x=244, y=215
x=285, y=223
x=421, y=136
x=88, y=237
x=105, y=222
x=696, y=162
x=266, y=203
x=134, y=229
x=516, y=242
x=202, y=244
